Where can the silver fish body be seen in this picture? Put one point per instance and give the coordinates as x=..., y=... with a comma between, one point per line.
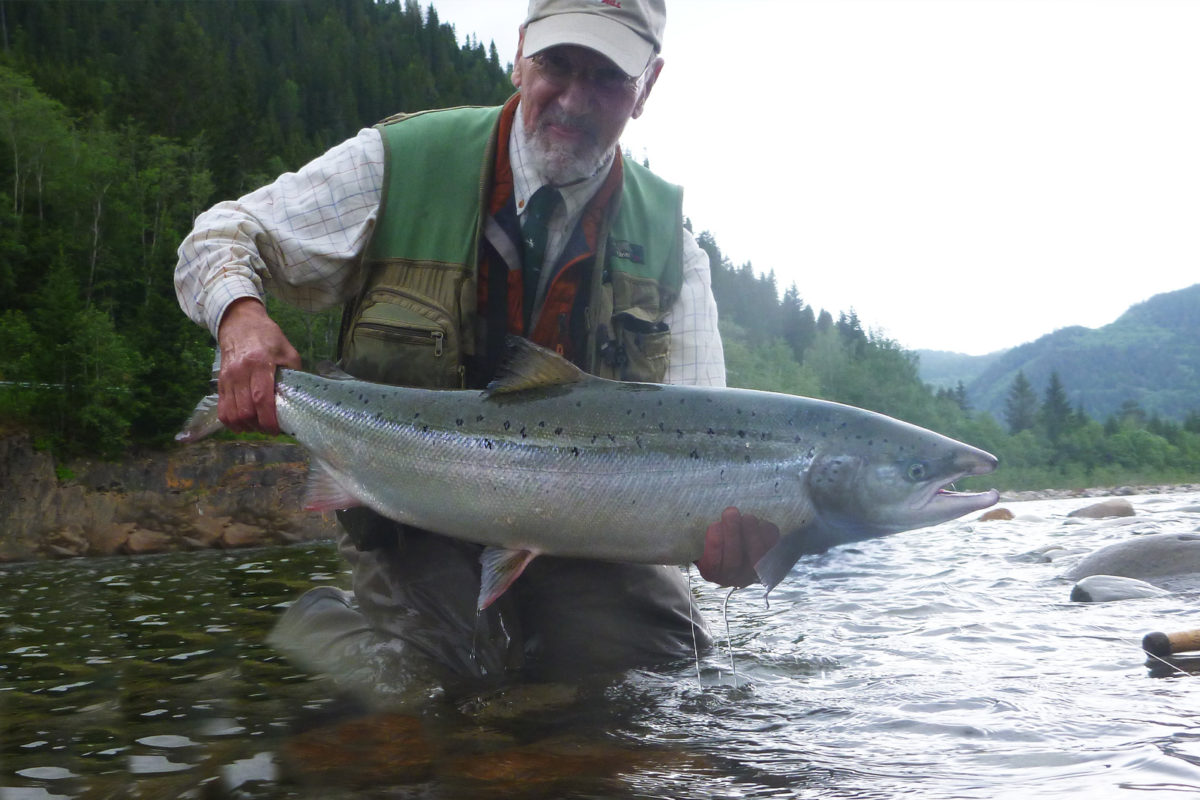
x=553, y=461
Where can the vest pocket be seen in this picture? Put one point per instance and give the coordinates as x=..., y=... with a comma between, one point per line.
x=643, y=348
x=403, y=338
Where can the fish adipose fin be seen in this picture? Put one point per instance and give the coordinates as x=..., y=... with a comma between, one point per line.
x=500, y=568
x=529, y=366
x=327, y=369
x=325, y=493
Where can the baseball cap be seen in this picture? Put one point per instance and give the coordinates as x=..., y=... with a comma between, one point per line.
x=626, y=32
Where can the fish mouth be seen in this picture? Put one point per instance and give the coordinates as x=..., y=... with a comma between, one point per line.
x=944, y=497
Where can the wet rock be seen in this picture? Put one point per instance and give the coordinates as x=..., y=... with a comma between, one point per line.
x=1115, y=507
x=996, y=514
x=143, y=542
x=377, y=750
x=1156, y=555
x=1106, y=588
x=240, y=535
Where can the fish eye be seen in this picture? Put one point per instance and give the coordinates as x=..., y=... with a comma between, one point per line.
x=917, y=471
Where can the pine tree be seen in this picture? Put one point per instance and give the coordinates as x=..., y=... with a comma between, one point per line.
x=1021, y=406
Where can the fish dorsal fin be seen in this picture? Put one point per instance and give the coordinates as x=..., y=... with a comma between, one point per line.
x=529, y=366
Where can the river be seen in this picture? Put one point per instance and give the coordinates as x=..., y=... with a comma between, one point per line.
x=941, y=663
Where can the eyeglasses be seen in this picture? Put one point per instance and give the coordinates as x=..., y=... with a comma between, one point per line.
x=558, y=70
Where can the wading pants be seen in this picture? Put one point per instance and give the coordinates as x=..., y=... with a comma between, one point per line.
x=413, y=614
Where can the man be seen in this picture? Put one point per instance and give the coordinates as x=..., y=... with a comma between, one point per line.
x=443, y=232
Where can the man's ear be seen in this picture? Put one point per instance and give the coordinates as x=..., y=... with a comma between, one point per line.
x=651, y=77
x=517, y=73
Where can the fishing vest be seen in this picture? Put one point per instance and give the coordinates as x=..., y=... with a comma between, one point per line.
x=428, y=316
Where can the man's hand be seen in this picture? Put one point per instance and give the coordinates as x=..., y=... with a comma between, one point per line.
x=733, y=546
x=252, y=346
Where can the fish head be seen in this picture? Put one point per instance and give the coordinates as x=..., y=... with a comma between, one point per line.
x=889, y=476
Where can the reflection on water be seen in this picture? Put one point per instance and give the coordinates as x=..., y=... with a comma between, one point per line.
x=945, y=663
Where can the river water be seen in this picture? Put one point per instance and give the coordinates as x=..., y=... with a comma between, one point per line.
x=942, y=663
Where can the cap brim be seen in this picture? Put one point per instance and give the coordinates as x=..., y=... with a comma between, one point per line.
x=610, y=39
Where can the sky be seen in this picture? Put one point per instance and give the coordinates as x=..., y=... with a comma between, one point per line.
x=965, y=175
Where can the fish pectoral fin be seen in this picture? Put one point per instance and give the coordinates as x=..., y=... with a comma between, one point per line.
x=529, y=366
x=779, y=560
x=500, y=568
x=324, y=493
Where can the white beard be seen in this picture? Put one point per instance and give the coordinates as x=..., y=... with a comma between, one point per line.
x=561, y=165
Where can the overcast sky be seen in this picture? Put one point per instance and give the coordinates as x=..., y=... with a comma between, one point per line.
x=966, y=175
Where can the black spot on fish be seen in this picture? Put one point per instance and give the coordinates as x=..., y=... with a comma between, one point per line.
x=594, y=438
x=417, y=415
x=612, y=438
x=747, y=459
x=711, y=432
x=479, y=417
x=458, y=421
x=741, y=434
x=558, y=431
x=638, y=439
x=424, y=429
x=678, y=433
x=796, y=440
x=506, y=425
x=542, y=424
x=575, y=451
x=694, y=454
x=487, y=443
x=662, y=427
x=523, y=432
x=629, y=412
x=764, y=436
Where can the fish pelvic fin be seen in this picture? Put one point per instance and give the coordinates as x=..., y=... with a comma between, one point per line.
x=529, y=366
x=324, y=493
x=500, y=568
x=203, y=422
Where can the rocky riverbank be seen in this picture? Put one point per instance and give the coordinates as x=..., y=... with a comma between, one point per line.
x=1111, y=491
x=212, y=494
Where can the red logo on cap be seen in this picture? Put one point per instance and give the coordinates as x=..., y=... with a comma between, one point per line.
x=613, y=3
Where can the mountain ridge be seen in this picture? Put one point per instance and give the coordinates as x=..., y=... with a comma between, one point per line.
x=1150, y=355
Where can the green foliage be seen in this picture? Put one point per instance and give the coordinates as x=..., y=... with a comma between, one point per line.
x=119, y=122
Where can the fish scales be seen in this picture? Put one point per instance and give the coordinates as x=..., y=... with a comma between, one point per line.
x=570, y=471
x=553, y=461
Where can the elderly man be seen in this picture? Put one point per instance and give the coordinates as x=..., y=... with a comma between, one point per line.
x=443, y=232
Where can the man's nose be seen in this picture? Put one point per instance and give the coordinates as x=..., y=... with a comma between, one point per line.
x=577, y=96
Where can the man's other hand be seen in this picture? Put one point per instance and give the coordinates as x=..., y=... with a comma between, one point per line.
x=733, y=546
x=252, y=347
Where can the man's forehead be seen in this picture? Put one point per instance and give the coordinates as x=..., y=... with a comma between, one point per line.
x=583, y=56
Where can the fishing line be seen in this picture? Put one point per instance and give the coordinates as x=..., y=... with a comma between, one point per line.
x=692, y=622
x=729, y=636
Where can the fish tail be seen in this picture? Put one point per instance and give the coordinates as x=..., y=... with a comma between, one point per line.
x=204, y=421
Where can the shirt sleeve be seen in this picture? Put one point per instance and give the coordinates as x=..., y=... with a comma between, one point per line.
x=301, y=237
x=697, y=356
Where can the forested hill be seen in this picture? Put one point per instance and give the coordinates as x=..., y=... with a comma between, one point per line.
x=119, y=122
x=257, y=85
x=1149, y=357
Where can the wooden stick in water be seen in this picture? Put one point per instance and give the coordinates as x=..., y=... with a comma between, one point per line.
x=1162, y=645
